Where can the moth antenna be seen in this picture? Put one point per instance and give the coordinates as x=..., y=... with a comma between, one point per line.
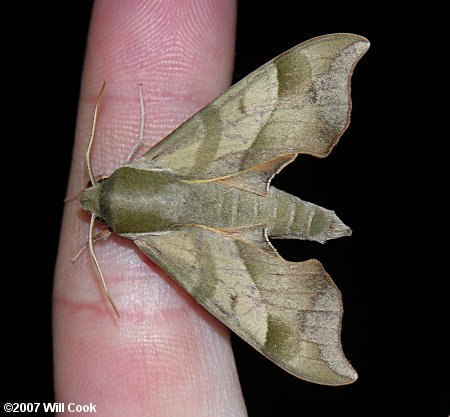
x=91, y=136
x=97, y=266
x=141, y=130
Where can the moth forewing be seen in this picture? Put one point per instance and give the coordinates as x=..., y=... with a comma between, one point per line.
x=200, y=205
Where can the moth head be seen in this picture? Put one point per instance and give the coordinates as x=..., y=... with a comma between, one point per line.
x=91, y=195
x=90, y=199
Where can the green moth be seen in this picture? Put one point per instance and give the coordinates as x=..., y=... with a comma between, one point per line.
x=200, y=205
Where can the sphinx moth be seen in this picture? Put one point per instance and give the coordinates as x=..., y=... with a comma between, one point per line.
x=200, y=205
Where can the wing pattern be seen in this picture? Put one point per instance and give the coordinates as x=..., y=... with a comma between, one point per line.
x=289, y=311
x=297, y=103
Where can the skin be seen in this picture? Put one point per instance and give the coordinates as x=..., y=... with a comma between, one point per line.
x=165, y=356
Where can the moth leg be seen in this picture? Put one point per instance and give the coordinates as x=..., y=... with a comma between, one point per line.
x=99, y=237
x=140, y=142
x=74, y=197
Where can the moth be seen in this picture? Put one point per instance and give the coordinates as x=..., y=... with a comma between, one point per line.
x=200, y=205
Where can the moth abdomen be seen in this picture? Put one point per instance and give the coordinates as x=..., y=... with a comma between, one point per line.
x=294, y=218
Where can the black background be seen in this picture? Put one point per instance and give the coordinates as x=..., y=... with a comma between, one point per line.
x=385, y=179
